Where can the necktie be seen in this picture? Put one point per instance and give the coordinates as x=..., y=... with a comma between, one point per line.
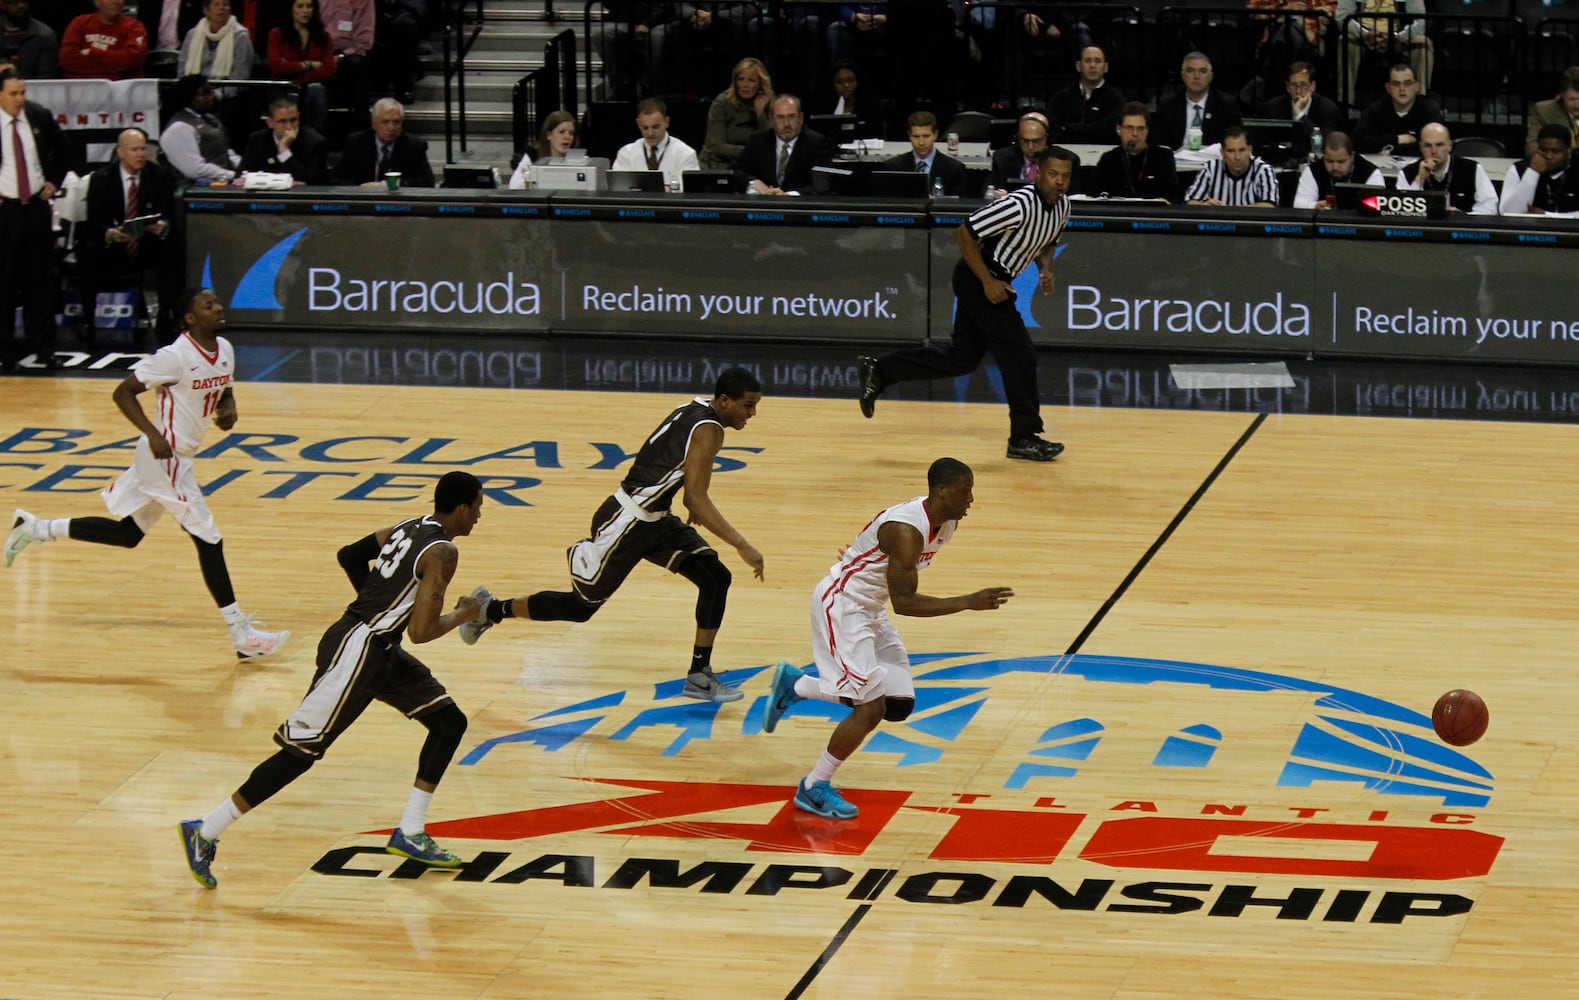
x=1032, y=168
x=921, y=166
x=784, y=155
x=24, y=190
x=652, y=158
x=1197, y=120
x=383, y=163
x=131, y=213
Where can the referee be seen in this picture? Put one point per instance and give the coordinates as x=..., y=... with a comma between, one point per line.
x=996, y=243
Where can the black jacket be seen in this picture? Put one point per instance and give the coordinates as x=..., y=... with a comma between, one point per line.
x=106, y=206
x=308, y=163
x=56, y=154
x=759, y=160
x=1168, y=127
x=359, y=160
x=950, y=171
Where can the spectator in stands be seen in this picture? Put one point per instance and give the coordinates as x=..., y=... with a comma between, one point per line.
x=218, y=46
x=167, y=23
x=1239, y=179
x=1090, y=110
x=1543, y=183
x=28, y=43
x=1301, y=103
x=1018, y=161
x=302, y=53
x=687, y=42
x=924, y=156
x=848, y=97
x=1396, y=40
x=778, y=160
x=856, y=26
x=657, y=149
x=1339, y=165
x=351, y=24
x=1198, y=106
x=1393, y=123
x=286, y=146
x=385, y=148
x=105, y=45
x=556, y=138
x=108, y=250
x=1466, y=182
x=1135, y=168
x=58, y=14
x=736, y=114
x=400, y=25
x=194, y=142
x=789, y=29
x=1044, y=38
x=1561, y=110
x=625, y=40
x=33, y=162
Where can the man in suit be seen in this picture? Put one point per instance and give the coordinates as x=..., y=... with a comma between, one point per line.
x=34, y=156
x=107, y=250
x=1018, y=160
x=287, y=146
x=1561, y=110
x=1198, y=106
x=778, y=160
x=1301, y=103
x=925, y=157
x=385, y=148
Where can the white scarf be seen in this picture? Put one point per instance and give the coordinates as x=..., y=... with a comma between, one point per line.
x=224, y=53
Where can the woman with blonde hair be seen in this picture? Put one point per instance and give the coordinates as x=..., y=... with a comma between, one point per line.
x=736, y=113
x=557, y=137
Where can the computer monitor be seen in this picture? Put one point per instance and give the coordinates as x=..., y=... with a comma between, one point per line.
x=459, y=175
x=554, y=175
x=900, y=184
x=838, y=128
x=1279, y=141
x=707, y=182
x=637, y=180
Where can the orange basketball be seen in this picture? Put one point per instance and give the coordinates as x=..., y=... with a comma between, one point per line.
x=1460, y=717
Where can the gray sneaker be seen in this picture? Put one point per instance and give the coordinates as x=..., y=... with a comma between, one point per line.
x=473, y=630
x=704, y=685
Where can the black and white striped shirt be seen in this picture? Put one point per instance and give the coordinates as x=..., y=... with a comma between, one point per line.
x=1259, y=183
x=1016, y=229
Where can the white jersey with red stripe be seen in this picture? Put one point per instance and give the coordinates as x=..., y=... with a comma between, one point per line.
x=861, y=574
x=190, y=382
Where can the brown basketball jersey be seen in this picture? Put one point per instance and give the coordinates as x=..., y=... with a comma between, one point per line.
x=386, y=599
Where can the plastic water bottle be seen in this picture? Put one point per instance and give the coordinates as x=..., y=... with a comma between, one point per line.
x=937, y=187
x=1315, y=145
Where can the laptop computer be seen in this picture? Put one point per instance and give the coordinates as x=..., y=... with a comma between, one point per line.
x=707, y=182
x=900, y=184
x=1279, y=141
x=637, y=180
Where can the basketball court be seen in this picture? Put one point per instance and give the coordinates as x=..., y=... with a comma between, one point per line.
x=1191, y=757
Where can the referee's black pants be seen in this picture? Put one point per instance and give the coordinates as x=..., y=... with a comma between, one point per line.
x=27, y=257
x=980, y=326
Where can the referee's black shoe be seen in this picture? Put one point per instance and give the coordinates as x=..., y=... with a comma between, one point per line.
x=871, y=384
x=1033, y=449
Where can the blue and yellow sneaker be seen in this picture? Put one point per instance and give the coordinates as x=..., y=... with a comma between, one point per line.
x=420, y=847
x=199, y=852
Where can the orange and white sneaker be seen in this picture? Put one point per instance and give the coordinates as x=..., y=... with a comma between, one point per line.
x=252, y=643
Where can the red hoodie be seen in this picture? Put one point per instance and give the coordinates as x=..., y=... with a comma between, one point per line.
x=92, y=49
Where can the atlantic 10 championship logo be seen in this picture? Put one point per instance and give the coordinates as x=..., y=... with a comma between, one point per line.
x=1116, y=789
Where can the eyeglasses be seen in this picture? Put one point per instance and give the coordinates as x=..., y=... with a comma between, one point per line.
x=1300, y=87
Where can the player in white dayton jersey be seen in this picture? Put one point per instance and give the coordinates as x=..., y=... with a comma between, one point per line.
x=193, y=378
x=861, y=661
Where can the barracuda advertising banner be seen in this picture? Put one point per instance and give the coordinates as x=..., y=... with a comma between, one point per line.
x=767, y=273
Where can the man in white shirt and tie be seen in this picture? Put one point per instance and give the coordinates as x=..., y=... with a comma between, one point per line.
x=656, y=149
x=108, y=249
x=1197, y=106
x=32, y=166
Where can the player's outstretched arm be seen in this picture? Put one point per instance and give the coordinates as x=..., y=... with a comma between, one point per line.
x=125, y=396
x=902, y=543
x=434, y=571
x=699, y=506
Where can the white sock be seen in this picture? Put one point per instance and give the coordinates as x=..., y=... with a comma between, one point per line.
x=823, y=771
x=49, y=530
x=415, y=819
x=233, y=616
x=218, y=821
x=807, y=686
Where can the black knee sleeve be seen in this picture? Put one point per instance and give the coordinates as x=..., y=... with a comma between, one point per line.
x=272, y=775
x=446, y=725
x=898, y=709
x=712, y=579
x=548, y=606
x=104, y=531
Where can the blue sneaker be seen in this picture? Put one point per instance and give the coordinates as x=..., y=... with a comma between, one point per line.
x=824, y=800
x=199, y=852
x=420, y=847
x=781, y=694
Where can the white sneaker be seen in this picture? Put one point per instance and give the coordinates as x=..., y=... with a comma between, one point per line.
x=473, y=630
x=23, y=534
x=252, y=643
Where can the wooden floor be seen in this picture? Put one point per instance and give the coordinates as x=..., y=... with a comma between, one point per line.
x=634, y=844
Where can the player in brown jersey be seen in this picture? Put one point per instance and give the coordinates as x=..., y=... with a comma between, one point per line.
x=400, y=575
